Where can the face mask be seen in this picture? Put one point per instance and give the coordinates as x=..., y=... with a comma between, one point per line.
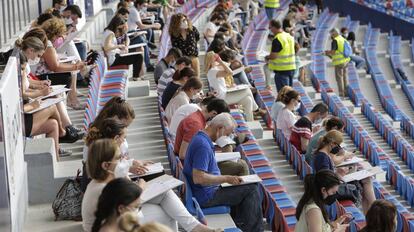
x=68, y=21
x=335, y=150
x=122, y=168
x=172, y=64
x=61, y=9
x=345, y=35
x=184, y=25
x=297, y=107
x=131, y=4
x=226, y=38
x=34, y=61
x=124, y=148
x=58, y=42
x=144, y=9
x=319, y=120
x=330, y=199
x=27, y=69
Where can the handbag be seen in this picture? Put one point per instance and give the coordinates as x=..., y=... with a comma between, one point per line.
x=350, y=191
x=68, y=202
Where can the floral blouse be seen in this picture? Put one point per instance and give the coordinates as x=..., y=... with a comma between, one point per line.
x=187, y=46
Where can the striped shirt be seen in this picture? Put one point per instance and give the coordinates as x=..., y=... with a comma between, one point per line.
x=301, y=129
x=165, y=78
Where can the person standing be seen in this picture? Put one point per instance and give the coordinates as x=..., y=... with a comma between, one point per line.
x=282, y=56
x=339, y=61
x=271, y=7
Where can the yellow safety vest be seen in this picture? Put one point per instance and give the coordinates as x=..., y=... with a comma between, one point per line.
x=339, y=58
x=285, y=60
x=271, y=3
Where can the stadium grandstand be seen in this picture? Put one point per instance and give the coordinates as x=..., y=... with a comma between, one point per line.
x=207, y=115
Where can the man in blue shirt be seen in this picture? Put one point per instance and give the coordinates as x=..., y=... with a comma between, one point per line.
x=200, y=168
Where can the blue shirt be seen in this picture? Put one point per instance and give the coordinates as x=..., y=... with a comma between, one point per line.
x=200, y=156
x=322, y=161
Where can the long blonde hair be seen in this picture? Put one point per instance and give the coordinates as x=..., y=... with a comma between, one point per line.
x=30, y=42
x=332, y=136
x=54, y=28
x=208, y=61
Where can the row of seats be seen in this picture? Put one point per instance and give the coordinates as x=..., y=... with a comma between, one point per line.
x=402, y=9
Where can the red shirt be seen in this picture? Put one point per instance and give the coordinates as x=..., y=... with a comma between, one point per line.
x=187, y=128
x=301, y=129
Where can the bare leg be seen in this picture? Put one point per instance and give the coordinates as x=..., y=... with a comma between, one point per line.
x=368, y=196
x=49, y=127
x=73, y=95
x=63, y=114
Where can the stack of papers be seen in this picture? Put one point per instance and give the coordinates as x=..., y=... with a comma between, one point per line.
x=360, y=175
x=46, y=103
x=237, y=88
x=249, y=179
x=152, y=169
x=226, y=156
x=352, y=161
x=159, y=186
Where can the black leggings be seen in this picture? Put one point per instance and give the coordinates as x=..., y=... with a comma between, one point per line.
x=135, y=60
x=58, y=78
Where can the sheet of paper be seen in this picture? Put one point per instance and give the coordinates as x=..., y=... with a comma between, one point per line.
x=239, y=70
x=352, y=161
x=130, y=54
x=138, y=33
x=158, y=186
x=46, y=103
x=137, y=45
x=249, y=179
x=56, y=87
x=53, y=93
x=69, y=38
x=152, y=169
x=224, y=141
x=304, y=63
x=225, y=156
x=360, y=175
x=237, y=88
x=67, y=59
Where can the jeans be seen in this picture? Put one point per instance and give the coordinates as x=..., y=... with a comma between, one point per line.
x=241, y=78
x=270, y=12
x=283, y=78
x=245, y=203
x=140, y=39
x=359, y=61
x=81, y=47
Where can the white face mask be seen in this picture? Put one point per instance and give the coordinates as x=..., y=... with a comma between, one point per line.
x=124, y=148
x=144, y=9
x=131, y=4
x=184, y=25
x=68, y=21
x=224, y=140
x=27, y=69
x=35, y=61
x=319, y=120
x=297, y=107
x=172, y=64
x=122, y=168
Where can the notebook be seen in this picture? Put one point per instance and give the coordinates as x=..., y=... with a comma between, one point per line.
x=226, y=156
x=237, y=88
x=130, y=54
x=46, y=103
x=360, y=175
x=158, y=186
x=55, y=91
x=249, y=179
x=152, y=169
x=352, y=161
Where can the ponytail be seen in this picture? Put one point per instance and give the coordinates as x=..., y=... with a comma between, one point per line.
x=30, y=42
x=331, y=136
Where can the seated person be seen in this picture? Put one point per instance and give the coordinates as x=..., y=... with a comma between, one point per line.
x=179, y=79
x=167, y=75
x=217, y=45
x=212, y=26
x=286, y=118
x=217, y=73
x=184, y=111
x=203, y=174
x=332, y=123
x=117, y=27
x=167, y=62
x=327, y=156
x=105, y=164
x=278, y=105
x=190, y=90
x=229, y=56
x=302, y=130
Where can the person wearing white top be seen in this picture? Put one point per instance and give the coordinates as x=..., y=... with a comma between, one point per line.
x=190, y=89
x=217, y=71
x=213, y=26
x=106, y=164
x=278, y=104
x=286, y=118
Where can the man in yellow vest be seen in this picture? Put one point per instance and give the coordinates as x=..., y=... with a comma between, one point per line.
x=339, y=61
x=271, y=7
x=282, y=56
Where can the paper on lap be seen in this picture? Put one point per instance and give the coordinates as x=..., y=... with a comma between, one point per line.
x=46, y=103
x=226, y=156
x=131, y=54
x=249, y=179
x=237, y=88
x=352, y=161
x=360, y=175
x=152, y=169
x=158, y=186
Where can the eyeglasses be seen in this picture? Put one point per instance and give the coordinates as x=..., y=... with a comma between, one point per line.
x=299, y=100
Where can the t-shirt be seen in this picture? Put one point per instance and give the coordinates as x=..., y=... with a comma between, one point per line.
x=165, y=78
x=322, y=161
x=301, y=129
x=159, y=70
x=334, y=45
x=90, y=203
x=133, y=18
x=276, y=45
x=276, y=108
x=200, y=156
x=313, y=144
x=211, y=26
x=187, y=128
x=218, y=84
x=180, y=99
x=169, y=92
x=285, y=121
x=179, y=115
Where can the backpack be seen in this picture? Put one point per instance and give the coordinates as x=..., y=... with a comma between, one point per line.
x=68, y=202
x=347, y=49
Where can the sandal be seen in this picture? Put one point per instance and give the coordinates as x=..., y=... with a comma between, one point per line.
x=77, y=106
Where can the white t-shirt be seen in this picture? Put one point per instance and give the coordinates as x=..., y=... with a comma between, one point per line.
x=90, y=203
x=179, y=115
x=211, y=26
x=285, y=121
x=133, y=18
x=218, y=84
x=110, y=54
x=276, y=108
x=180, y=99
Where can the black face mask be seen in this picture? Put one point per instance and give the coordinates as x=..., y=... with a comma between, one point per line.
x=217, y=24
x=330, y=199
x=335, y=150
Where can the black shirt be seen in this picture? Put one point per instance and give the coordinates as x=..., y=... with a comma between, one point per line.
x=169, y=93
x=334, y=45
x=276, y=45
x=187, y=46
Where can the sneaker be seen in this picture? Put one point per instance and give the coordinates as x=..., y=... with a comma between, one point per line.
x=70, y=137
x=80, y=132
x=64, y=152
x=150, y=68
